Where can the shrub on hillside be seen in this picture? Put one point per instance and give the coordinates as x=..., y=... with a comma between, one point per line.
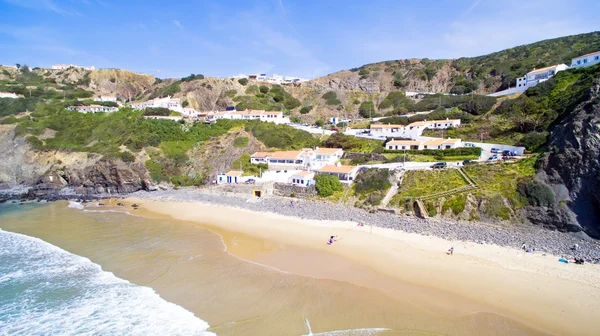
x=126, y=156
x=331, y=98
x=497, y=208
x=533, y=140
x=157, y=111
x=243, y=81
x=306, y=109
x=327, y=185
x=537, y=193
x=240, y=142
x=367, y=109
x=263, y=89
x=371, y=180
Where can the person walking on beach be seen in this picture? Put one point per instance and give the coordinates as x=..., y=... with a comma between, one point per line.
x=450, y=251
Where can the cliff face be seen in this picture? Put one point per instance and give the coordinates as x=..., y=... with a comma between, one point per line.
x=43, y=174
x=572, y=166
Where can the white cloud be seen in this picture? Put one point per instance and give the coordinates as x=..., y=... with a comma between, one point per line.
x=178, y=24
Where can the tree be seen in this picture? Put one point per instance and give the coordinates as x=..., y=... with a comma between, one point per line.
x=327, y=185
x=18, y=65
x=263, y=89
x=306, y=109
x=185, y=103
x=243, y=81
x=320, y=123
x=366, y=109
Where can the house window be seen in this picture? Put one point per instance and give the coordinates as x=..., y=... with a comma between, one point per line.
x=425, y=146
x=596, y=58
x=578, y=62
x=584, y=60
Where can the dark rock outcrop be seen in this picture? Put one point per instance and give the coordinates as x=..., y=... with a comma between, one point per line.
x=103, y=177
x=573, y=163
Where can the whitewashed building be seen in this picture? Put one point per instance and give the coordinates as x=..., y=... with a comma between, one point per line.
x=586, y=60
x=106, y=99
x=306, y=158
x=276, y=117
x=346, y=174
x=8, y=95
x=421, y=145
x=412, y=130
x=537, y=76
x=166, y=102
x=93, y=109
x=302, y=179
x=231, y=177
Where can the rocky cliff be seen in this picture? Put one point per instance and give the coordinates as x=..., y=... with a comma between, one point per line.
x=50, y=173
x=572, y=168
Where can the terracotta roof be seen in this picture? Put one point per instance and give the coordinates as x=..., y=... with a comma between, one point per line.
x=404, y=142
x=440, y=142
x=386, y=126
x=304, y=173
x=260, y=154
x=234, y=173
x=285, y=154
x=543, y=69
x=328, y=151
x=341, y=169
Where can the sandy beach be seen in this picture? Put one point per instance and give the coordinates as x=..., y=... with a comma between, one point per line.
x=533, y=289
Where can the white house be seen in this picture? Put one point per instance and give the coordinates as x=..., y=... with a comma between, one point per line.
x=172, y=118
x=231, y=177
x=537, y=76
x=8, y=95
x=346, y=174
x=166, y=102
x=66, y=66
x=106, y=99
x=420, y=145
x=93, y=109
x=305, y=158
x=276, y=117
x=303, y=179
x=586, y=60
x=412, y=130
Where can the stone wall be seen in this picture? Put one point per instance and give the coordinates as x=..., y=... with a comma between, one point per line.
x=282, y=189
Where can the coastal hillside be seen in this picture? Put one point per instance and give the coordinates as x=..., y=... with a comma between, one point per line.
x=482, y=74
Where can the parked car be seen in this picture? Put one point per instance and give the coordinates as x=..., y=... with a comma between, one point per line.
x=439, y=165
x=469, y=162
x=335, y=130
x=494, y=150
x=493, y=158
x=250, y=181
x=508, y=153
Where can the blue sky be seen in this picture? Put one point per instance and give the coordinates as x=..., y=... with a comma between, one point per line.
x=288, y=37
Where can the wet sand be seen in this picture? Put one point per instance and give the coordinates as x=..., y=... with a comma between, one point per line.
x=278, y=273
x=533, y=289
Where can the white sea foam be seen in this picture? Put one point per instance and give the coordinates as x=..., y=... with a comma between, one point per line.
x=75, y=205
x=49, y=291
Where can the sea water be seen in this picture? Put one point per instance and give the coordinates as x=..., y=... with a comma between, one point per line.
x=45, y=290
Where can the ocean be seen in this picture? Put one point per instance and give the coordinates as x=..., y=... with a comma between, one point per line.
x=45, y=290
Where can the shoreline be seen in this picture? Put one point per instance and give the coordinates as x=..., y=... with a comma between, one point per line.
x=543, y=240
x=529, y=288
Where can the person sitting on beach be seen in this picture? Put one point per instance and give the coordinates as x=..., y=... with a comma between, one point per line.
x=330, y=241
x=450, y=251
x=360, y=224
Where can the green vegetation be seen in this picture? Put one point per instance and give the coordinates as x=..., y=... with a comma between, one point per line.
x=537, y=193
x=397, y=101
x=419, y=183
x=240, y=142
x=367, y=109
x=168, y=90
x=263, y=98
x=497, y=208
x=126, y=156
x=157, y=111
x=192, y=77
x=442, y=153
x=372, y=180
x=455, y=203
x=243, y=81
x=248, y=168
x=351, y=143
x=327, y=185
x=502, y=178
x=281, y=136
x=331, y=98
x=306, y=109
